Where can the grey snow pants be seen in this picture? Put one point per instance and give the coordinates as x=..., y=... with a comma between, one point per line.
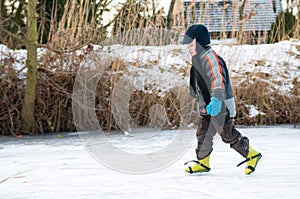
x=207, y=129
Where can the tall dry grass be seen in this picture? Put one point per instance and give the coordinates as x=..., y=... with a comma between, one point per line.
x=80, y=25
x=53, y=108
x=58, y=67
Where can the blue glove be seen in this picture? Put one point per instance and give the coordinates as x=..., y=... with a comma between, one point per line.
x=214, y=107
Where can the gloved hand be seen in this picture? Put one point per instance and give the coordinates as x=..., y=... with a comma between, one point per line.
x=214, y=107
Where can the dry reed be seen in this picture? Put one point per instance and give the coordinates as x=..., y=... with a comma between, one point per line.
x=57, y=72
x=53, y=108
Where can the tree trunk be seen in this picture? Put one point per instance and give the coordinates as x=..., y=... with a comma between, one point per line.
x=170, y=14
x=2, y=9
x=240, y=24
x=298, y=23
x=31, y=64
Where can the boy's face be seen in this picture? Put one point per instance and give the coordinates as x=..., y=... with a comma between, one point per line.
x=192, y=48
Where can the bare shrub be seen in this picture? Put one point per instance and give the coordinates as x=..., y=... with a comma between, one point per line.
x=274, y=107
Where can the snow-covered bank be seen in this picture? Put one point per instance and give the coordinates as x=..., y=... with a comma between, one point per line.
x=265, y=81
x=54, y=167
x=165, y=67
x=279, y=62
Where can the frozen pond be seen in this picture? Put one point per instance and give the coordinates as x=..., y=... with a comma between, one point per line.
x=54, y=166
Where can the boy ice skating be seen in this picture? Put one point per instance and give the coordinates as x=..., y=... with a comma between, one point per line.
x=210, y=84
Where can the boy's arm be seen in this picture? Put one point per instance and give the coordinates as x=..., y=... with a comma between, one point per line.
x=214, y=72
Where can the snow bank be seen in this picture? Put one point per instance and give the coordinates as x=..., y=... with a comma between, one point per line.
x=162, y=68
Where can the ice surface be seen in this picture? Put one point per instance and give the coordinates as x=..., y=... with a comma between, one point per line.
x=53, y=167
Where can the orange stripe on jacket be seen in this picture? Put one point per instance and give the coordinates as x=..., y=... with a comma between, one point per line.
x=220, y=67
x=212, y=71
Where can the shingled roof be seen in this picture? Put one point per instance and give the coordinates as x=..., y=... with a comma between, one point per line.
x=223, y=15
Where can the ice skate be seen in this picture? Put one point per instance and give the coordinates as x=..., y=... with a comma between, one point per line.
x=252, y=159
x=200, y=166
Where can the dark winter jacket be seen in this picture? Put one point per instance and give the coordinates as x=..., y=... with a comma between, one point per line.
x=209, y=75
x=209, y=78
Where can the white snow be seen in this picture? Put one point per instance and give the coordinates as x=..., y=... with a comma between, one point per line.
x=253, y=112
x=52, y=167
x=162, y=68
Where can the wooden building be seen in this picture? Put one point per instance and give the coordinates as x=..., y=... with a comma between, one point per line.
x=223, y=16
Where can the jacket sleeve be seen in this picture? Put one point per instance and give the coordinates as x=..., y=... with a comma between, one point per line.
x=214, y=72
x=192, y=92
x=192, y=82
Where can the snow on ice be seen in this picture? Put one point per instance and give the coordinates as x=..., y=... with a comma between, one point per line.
x=52, y=166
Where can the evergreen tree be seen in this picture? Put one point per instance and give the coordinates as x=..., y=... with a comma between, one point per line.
x=283, y=27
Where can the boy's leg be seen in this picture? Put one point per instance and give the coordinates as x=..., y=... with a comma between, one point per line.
x=205, y=134
x=241, y=145
x=232, y=136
